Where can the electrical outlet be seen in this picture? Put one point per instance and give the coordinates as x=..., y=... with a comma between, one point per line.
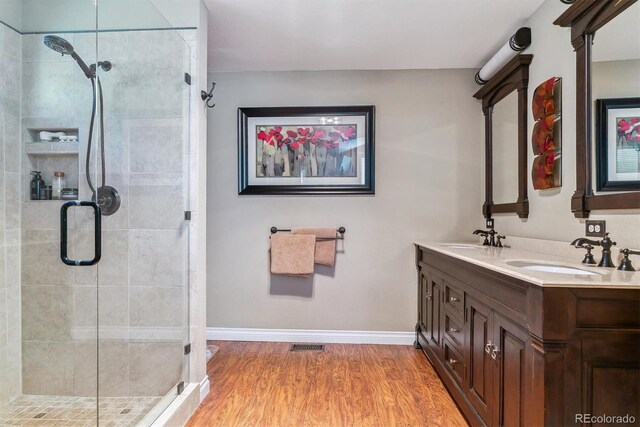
x=490, y=223
x=596, y=228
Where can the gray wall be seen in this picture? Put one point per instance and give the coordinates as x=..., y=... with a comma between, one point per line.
x=430, y=185
x=550, y=214
x=428, y=171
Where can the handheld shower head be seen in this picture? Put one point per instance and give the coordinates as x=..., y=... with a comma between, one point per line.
x=60, y=45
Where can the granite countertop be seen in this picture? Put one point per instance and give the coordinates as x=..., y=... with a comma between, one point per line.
x=496, y=259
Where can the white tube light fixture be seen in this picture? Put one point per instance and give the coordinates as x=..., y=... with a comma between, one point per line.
x=517, y=43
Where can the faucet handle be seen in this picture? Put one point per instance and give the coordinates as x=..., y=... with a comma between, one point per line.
x=588, y=257
x=625, y=264
x=484, y=234
x=499, y=243
x=607, y=242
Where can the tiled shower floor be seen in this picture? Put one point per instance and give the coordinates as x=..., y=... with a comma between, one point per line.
x=50, y=411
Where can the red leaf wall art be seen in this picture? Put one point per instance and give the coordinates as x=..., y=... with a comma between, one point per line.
x=546, y=138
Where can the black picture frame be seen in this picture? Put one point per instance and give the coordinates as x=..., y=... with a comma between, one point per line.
x=603, y=143
x=250, y=181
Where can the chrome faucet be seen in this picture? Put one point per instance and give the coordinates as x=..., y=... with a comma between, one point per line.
x=588, y=244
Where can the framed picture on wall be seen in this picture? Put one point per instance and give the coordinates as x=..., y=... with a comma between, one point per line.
x=306, y=150
x=618, y=144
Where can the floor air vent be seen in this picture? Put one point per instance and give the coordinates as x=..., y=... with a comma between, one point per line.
x=306, y=347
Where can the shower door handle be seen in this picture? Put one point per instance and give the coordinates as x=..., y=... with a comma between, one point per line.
x=63, y=233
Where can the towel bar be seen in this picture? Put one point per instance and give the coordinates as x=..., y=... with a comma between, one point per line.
x=340, y=231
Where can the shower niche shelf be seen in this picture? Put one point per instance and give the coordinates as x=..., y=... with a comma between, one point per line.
x=48, y=163
x=33, y=133
x=50, y=156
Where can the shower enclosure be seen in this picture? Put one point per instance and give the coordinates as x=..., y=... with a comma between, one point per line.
x=94, y=289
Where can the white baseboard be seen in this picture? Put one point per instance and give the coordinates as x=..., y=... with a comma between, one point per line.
x=204, y=388
x=310, y=335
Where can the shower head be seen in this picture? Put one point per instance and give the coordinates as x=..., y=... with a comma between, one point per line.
x=60, y=45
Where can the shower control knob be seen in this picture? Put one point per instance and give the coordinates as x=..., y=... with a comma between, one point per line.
x=108, y=199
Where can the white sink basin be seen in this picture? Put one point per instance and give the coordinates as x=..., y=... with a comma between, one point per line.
x=551, y=268
x=461, y=246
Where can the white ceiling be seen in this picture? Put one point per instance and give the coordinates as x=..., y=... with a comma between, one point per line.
x=279, y=35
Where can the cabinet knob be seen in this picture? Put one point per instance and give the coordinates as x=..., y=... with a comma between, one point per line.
x=495, y=352
x=454, y=299
x=428, y=296
x=487, y=348
x=453, y=330
x=452, y=361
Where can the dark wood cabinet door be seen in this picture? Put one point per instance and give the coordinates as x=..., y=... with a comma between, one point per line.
x=423, y=303
x=434, y=320
x=479, y=384
x=510, y=377
x=610, y=377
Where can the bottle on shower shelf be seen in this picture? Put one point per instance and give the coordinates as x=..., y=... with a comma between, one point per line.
x=37, y=186
x=57, y=184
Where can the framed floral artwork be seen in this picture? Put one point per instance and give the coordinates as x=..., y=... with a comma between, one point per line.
x=306, y=150
x=618, y=144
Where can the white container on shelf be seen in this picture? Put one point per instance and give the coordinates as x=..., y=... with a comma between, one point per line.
x=57, y=184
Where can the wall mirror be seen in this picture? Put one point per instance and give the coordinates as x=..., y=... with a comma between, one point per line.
x=504, y=104
x=505, y=149
x=615, y=90
x=606, y=39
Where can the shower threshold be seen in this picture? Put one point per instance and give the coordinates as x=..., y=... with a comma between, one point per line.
x=50, y=411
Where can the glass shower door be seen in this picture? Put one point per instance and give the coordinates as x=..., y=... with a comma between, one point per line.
x=143, y=277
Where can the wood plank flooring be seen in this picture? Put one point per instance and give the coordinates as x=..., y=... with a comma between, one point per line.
x=265, y=384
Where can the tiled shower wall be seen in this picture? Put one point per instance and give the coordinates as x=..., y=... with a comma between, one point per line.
x=10, y=178
x=141, y=284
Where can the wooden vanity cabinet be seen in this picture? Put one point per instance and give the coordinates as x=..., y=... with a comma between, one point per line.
x=512, y=353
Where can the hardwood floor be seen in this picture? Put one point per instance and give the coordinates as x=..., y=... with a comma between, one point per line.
x=265, y=384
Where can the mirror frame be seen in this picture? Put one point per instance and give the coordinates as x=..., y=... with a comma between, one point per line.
x=514, y=75
x=585, y=17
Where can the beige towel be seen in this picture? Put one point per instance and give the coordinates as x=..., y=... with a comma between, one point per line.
x=325, y=249
x=292, y=255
